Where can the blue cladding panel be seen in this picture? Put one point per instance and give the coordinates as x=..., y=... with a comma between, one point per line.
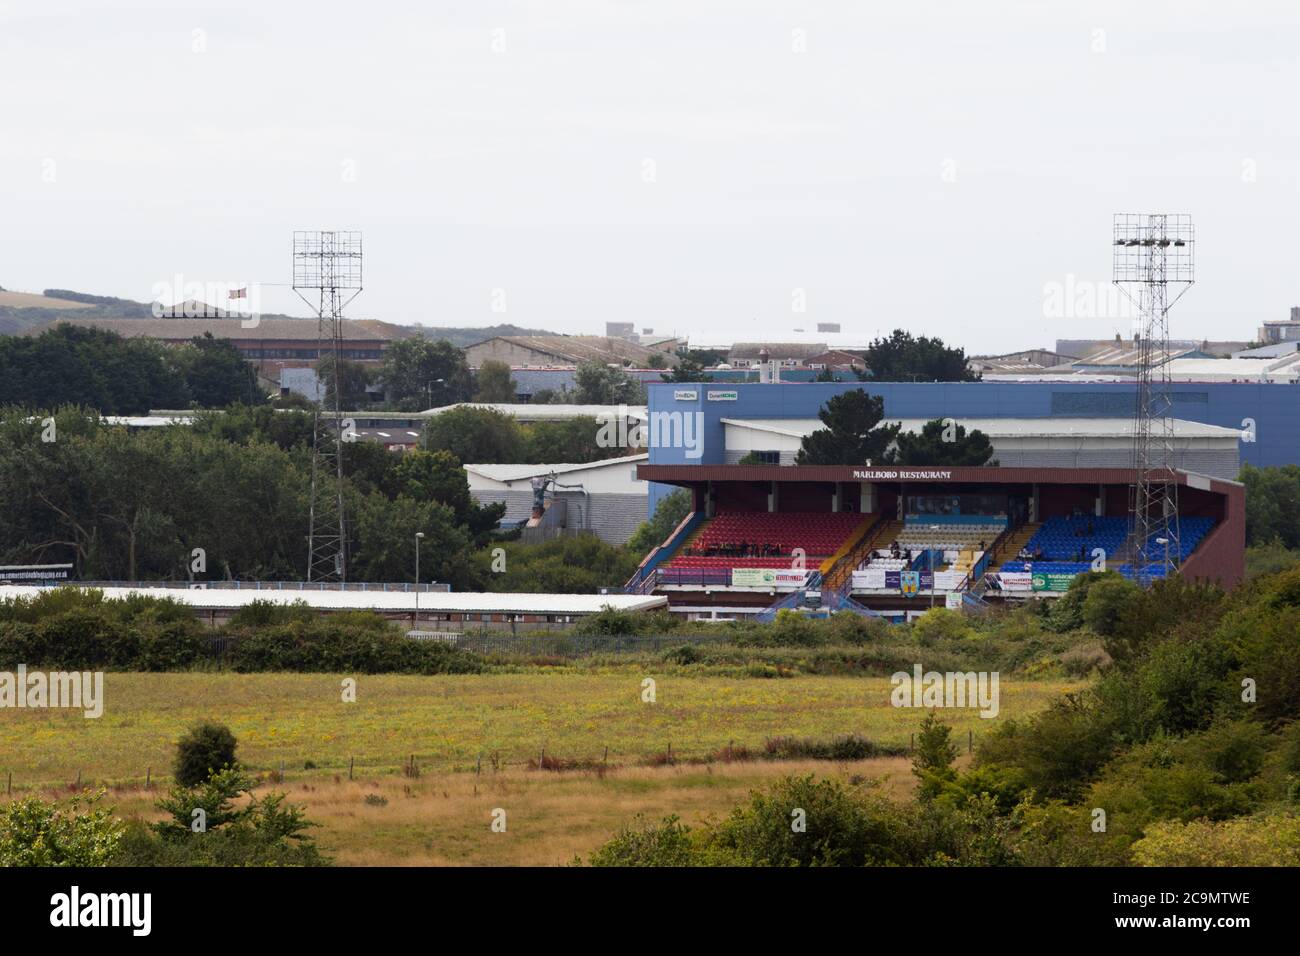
x=1275, y=409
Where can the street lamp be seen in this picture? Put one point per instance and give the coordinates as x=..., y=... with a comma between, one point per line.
x=418, y=536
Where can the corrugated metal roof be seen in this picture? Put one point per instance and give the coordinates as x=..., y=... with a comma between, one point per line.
x=515, y=472
x=469, y=602
x=1004, y=427
x=581, y=348
x=548, y=413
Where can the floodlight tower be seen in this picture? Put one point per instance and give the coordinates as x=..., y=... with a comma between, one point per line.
x=327, y=264
x=1154, y=264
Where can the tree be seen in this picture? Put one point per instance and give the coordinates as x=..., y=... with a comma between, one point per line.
x=935, y=752
x=902, y=358
x=574, y=440
x=478, y=436
x=352, y=380
x=207, y=748
x=853, y=434
x=216, y=374
x=1272, y=504
x=70, y=365
x=438, y=476
x=495, y=383
x=689, y=368
x=385, y=541
x=942, y=441
x=669, y=513
x=419, y=374
x=599, y=384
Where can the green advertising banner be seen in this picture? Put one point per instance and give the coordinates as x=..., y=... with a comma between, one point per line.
x=1051, y=582
x=753, y=577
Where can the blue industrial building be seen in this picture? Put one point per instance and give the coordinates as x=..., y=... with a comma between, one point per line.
x=1268, y=415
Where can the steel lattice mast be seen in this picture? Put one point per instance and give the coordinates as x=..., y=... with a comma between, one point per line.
x=328, y=263
x=1153, y=252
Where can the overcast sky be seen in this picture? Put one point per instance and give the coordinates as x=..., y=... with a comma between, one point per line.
x=696, y=167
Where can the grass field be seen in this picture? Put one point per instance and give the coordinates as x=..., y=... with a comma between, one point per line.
x=446, y=722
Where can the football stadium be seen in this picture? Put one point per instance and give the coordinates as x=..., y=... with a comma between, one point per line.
x=1054, y=502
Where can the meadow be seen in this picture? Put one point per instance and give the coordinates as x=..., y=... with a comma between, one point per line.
x=475, y=740
x=447, y=723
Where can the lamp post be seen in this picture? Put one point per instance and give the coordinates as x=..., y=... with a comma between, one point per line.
x=418, y=536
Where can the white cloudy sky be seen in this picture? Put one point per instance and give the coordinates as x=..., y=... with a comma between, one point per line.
x=931, y=165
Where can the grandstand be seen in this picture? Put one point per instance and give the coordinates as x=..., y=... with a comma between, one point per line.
x=897, y=540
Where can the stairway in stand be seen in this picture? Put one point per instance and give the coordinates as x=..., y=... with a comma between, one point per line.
x=884, y=534
x=1010, y=547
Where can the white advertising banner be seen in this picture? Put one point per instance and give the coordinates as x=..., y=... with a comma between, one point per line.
x=869, y=579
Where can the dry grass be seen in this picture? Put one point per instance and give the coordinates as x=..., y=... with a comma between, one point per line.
x=447, y=722
x=444, y=820
x=34, y=300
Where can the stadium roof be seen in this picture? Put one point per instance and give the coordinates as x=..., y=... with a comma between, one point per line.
x=431, y=602
x=516, y=472
x=547, y=413
x=1002, y=427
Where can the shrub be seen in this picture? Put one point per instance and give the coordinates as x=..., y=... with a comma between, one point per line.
x=76, y=833
x=1265, y=839
x=935, y=752
x=204, y=750
x=840, y=829
x=641, y=843
x=940, y=623
x=1105, y=602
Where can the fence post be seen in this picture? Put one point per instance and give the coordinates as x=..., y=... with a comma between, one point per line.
x=911, y=744
x=148, y=776
x=541, y=760
x=352, y=762
x=970, y=741
x=78, y=779
x=11, y=783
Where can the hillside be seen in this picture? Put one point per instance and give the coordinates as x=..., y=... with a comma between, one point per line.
x=464, y=337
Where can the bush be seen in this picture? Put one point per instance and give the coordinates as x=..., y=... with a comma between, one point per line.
x=262, y=832
x=206, y=749
x=322, y=646
x=1265, y=839
x=840, y=828
x=1105, y=602
x=645, y=844
x=76, y=833
x=940, y=623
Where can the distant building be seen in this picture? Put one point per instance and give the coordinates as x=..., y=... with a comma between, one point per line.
x=1085, y=348
x=268, y=343
x=603, y=497
x=620, y=330
x=828, y=327
x=1286, y=330
x=838, y=360
x=551, y=350
x=793, y=354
